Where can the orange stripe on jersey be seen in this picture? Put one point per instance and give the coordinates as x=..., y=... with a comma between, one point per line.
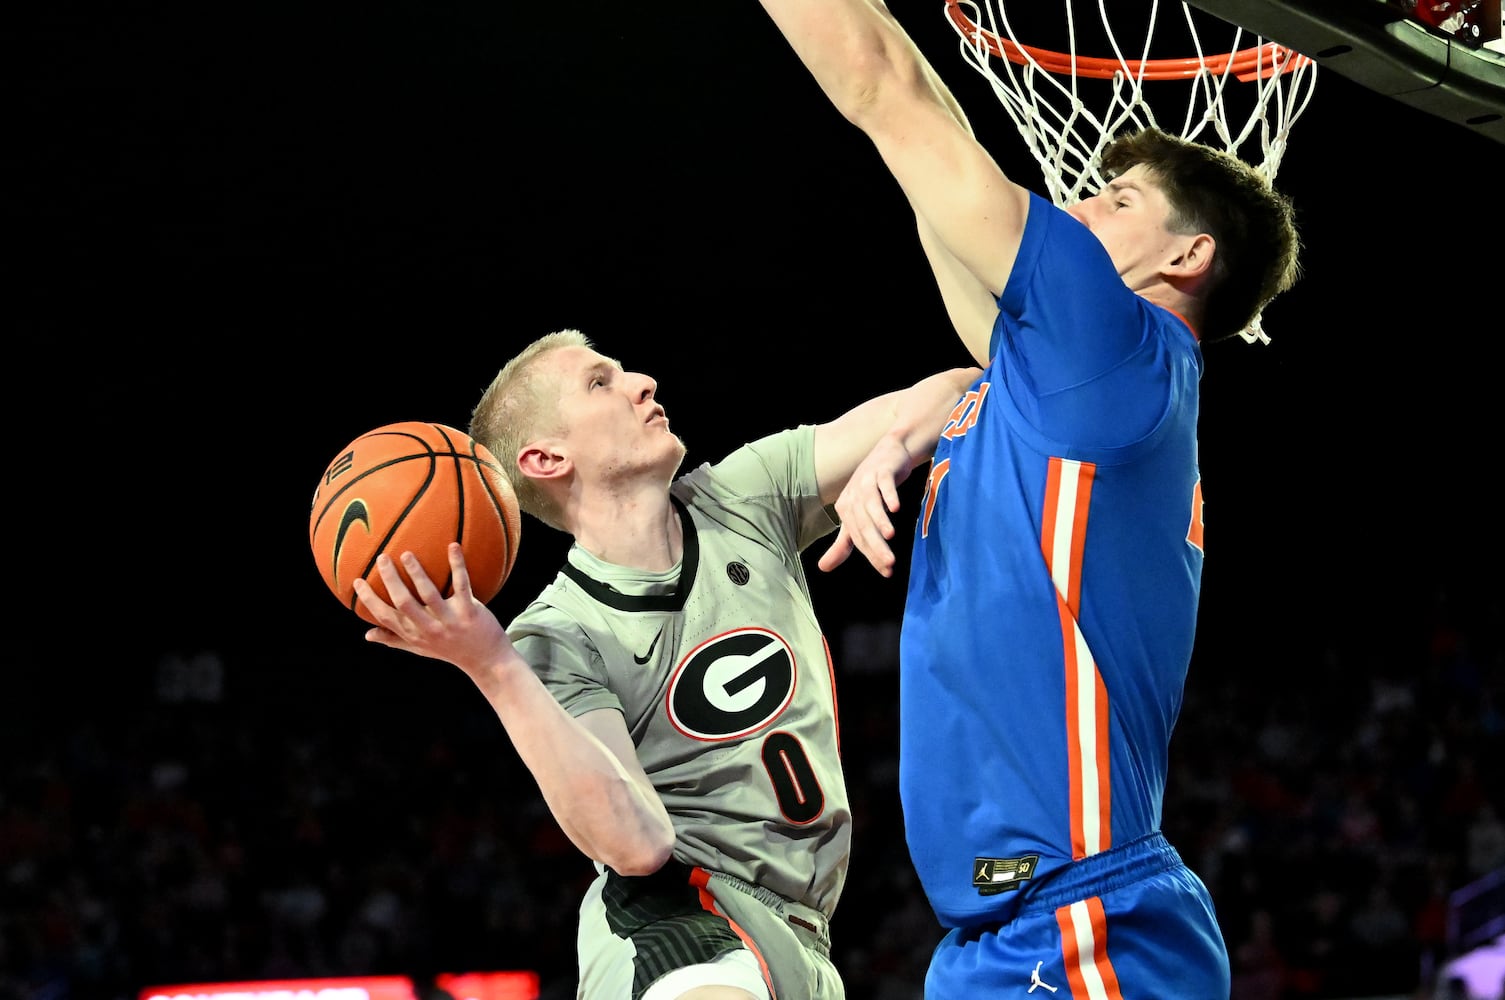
x=1068, y=493
x=700, y=878
x=835, y=707
x=1063, y=539
x=1194, y=530
x=1073, y=729
x=1084, y=947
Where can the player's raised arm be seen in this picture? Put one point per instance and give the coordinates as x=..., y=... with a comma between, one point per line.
x=971, y=216
x=863, y=455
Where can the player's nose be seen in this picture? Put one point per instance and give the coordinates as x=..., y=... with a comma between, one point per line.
x=1082, y=211
x=643, y=386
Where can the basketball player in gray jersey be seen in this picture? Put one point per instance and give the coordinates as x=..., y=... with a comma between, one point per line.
x=671, y=690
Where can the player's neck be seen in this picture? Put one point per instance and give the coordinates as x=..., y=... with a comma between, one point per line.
x=640, y=530
x=1168, y=296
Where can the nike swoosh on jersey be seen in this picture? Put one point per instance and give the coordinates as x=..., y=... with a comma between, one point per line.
x=640, y=660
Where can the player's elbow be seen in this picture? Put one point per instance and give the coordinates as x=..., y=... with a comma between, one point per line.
x=639, y=837
x=640, y=855
x=879, y=78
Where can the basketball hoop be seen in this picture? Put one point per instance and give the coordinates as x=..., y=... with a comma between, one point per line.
x=1066, y=137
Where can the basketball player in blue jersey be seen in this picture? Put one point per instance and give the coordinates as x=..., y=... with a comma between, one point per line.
x=1057, y=555
x=671, y=690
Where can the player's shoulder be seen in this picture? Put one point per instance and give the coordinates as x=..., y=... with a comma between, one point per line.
x=552, y=614
x=769, y=465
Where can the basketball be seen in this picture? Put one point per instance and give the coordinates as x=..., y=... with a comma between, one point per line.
x=413, y=487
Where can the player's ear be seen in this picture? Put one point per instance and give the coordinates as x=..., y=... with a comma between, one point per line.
x=543, y=459
x=1195, y=259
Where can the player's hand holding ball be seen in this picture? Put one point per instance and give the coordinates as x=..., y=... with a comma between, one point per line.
x=417, y=618
x=413, y=487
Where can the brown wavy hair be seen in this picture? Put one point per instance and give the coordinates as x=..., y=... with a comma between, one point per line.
x=1215, y=192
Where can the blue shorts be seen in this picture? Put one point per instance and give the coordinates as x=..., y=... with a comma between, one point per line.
x=1133, y=922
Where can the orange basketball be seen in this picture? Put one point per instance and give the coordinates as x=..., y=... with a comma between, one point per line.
x=413, y=487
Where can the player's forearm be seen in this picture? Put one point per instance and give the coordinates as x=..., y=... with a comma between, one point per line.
x=854, y=49
x=912, y=418
x=608, y=815
x=859, y=54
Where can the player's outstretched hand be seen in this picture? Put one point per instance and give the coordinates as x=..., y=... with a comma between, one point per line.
x=458, y=628
x=864, y=506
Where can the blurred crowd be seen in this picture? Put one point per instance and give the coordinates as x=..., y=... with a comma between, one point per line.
x=214, y=829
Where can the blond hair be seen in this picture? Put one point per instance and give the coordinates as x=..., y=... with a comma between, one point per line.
x=520, y=406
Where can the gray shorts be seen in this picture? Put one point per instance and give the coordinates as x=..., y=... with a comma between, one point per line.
x=634, y=930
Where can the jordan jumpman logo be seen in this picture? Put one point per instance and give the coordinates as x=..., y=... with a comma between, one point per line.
x=1035, y=980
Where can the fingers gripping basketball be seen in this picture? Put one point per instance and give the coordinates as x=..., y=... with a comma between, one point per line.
x=413, y=487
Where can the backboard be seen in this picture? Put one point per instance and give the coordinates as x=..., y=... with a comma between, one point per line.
x=1447, y=59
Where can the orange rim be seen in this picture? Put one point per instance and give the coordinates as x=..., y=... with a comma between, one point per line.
x=1246, y=64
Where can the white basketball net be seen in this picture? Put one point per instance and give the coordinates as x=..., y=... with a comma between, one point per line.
x=1066, y=137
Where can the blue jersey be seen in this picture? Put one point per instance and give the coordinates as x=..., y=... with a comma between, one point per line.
x=1054, y=586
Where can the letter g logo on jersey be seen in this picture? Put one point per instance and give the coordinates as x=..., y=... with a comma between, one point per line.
x=732, y=685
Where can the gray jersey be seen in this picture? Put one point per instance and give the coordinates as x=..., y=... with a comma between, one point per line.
x=720, y=670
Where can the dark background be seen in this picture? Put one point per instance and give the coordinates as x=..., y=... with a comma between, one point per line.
x=245, y=238
x=247, y=235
